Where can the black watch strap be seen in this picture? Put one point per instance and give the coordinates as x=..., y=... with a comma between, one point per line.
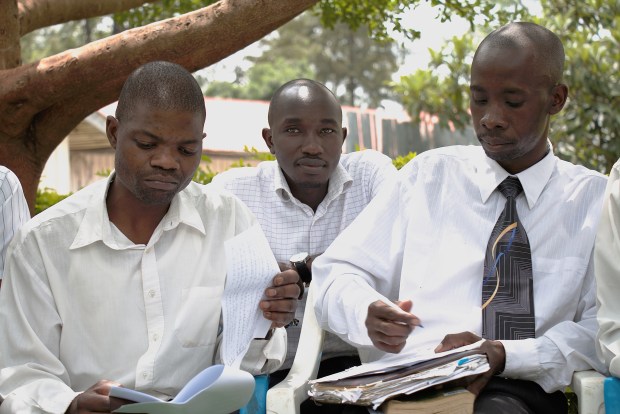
x=304, y=272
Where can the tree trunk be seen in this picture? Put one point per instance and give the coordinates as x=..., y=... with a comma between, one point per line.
x=10, y=51
x=42, y=102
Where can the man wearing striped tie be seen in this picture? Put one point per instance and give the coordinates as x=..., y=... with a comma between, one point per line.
x=488, y=242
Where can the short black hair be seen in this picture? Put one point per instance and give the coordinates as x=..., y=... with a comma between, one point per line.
x=546, y=45
x=161, y=85
x=296, y=83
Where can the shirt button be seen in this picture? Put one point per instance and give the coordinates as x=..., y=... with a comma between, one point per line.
x=145, y=375
x=155, y=337
x=152, y=293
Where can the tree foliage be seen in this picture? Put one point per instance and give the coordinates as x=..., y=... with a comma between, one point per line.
x=42, y=101
x=350, y=62
x=587, y=130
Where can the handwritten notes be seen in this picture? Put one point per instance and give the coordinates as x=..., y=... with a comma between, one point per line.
x=251, y=267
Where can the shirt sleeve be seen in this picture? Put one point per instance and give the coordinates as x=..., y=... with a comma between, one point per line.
x=360, y=267
x=33, y=379
x=13, y=212
x=607, y=265
x=265, y=355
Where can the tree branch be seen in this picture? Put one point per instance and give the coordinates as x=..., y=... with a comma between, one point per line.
x=59, y=91
x=35, y=14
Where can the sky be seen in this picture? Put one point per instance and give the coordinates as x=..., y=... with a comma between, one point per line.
x=434, y=34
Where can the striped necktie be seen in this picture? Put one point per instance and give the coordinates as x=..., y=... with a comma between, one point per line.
x=507, y=287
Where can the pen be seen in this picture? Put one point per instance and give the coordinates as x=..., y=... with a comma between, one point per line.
x=395, y=306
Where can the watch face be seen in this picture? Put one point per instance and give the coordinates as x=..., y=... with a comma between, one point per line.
x=299, y=257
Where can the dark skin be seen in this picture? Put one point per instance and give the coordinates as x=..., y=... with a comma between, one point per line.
x=157, y=152
x=513, y=97
x=389, y=327
x=494, y=351
x=306, y=135
x=512, y=100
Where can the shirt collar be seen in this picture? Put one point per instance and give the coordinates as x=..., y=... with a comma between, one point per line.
x=533, y=179
x=339, y=182
x=96, y=225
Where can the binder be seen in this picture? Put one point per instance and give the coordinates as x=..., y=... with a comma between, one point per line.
x=374, y=383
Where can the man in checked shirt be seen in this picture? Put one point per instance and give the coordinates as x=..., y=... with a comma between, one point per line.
x=309, y=195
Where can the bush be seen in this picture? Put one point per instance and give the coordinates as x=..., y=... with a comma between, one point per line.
x=47, y=198
x=400, y=161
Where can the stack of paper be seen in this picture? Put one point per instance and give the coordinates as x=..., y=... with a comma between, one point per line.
x=371, y=384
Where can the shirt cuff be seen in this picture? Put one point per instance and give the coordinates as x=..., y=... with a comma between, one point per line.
x=265, y=356
x=521, y=358
x=18, y=402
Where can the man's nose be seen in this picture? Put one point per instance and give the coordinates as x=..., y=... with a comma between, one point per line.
x=493, y=118
x=165, y=159
x=312, y=144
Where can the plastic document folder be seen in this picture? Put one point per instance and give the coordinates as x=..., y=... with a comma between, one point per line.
x=373, y=383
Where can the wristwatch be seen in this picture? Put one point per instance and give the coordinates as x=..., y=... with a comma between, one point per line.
x=299, y=262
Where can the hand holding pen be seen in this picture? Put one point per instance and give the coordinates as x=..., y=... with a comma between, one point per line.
x=389, y=324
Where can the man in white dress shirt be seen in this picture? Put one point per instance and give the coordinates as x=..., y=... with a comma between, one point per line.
x=13, y=211
x=122, y=282
x=310, y=194
x=607, y=270
x=422, y=244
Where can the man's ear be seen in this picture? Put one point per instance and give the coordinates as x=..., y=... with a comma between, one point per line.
x=266, y=132
x=344, y=134
x=111, y=129
x=559, y=95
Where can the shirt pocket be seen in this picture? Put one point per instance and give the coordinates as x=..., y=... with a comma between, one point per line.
x=557, y=289
x=198, y=319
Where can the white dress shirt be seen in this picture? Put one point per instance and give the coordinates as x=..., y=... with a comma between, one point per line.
x=13, y=210
x=607, y=270
x=81, y=302
x=425, y=240
x=292, y=227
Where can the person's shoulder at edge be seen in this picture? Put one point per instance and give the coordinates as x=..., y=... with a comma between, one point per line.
x=7, y=174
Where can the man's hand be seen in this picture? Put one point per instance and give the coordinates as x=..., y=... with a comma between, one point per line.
x=389, y=327
x=281, y=302
x=494, y=351
x=93, y=400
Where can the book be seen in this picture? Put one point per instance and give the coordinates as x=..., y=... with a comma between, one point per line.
x=218, y=389
x=451, y=401
x=373, y=383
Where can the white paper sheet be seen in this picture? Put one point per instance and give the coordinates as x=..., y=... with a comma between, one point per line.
x=393, y=361
x=216, y=390
x=251, y=267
